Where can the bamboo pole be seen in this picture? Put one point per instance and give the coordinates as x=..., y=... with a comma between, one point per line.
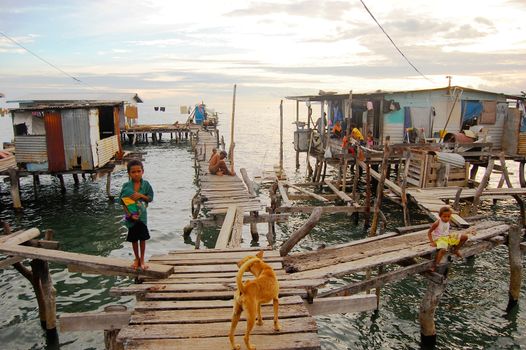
x=232, y=143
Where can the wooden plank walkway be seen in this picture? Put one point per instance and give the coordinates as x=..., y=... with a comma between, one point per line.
x=192, y=308
x=220, y=192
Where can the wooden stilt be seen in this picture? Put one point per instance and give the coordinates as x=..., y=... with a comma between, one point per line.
x=482, y=186
x=380, y=188
x=62, y=185
x=15, y=188
x=49, y=301
x=110, y=340
x=36, y=178
x=367, y=215
x=428, y=306
x=522, y=179
x=403, y=197
x=473, y=172
x=76, y=179
x=301, y=232
x=356, y=178
x=36, y=272
x=344, y=174
x=515, y=258
x=35, y=186
x=297, y=160
x=108, y=186
x=254, y=227
x=324, y=172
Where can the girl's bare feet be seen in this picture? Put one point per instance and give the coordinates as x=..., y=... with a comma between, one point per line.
x=135, y=264
x=143, y=265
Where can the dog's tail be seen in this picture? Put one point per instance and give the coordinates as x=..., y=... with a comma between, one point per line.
x=242, y=270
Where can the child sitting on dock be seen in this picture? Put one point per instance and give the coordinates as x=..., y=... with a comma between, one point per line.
x=135, y=196
x=217, y=165
x=440, y=236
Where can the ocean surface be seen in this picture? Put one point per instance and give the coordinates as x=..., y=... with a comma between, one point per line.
x=470, y=315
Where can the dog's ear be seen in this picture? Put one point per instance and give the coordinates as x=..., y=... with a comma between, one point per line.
x=260, y=254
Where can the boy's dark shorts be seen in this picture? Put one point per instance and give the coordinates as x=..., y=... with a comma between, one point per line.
x=138, y=232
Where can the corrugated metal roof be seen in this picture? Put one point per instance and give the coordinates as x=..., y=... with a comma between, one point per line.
x=456, y=160
x=30, y=149
x=116, y=97
x=378, y=93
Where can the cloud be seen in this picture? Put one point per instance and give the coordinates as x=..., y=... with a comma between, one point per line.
x=484, y=21
x=157, y=42
x=466, y=31
x=331, y=10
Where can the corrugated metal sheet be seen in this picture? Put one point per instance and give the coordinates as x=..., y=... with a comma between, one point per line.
x=395, y=131
x=55, y=141
x=30, y=149
x=76, y=132
x=496, y=130
x=455, y=160
x=107, y=148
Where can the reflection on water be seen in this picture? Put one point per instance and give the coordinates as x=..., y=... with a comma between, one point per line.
x=470, y=315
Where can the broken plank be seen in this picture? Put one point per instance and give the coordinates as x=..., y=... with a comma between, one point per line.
x=284, y=196
x=312, y=194
x=237, y=230
x=226, y=230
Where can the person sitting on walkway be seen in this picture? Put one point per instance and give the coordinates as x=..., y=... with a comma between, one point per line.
x=217, y=165
x=440, y=236
x=214, y=152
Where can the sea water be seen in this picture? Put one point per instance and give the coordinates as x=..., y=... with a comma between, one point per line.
x=470, y=314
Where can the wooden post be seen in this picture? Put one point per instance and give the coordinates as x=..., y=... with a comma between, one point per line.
x=76, y=179
x=15, y=188
x=322, y=123
x=250, y=186
x=473, y=172
x=482, y=186
x=367, y=192
x=36, y=272
x=49, y=301
x=515, y=258
x=297, y=121
x=301, y=232
x=110, y=340
x=428, y=306
x=403, y=196
x=108, y=186
x=281, y=139
x=356, y=178
x=380, y=188
x=231, y=151
x=349, y=117
x=62, y=185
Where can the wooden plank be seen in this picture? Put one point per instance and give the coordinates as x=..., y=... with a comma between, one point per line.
x=212, y=315
x=267, y=249
x=237, y=230
x=342, y=195
x=93, y=321
x=17, y=238
x=142, y=306
x=216, y=268
x=213, y=295
x=294, y=341
x=312, y=194
x=215, y=329
x=226, y=230
x=90, y=261
x=211, y=261
x=342, y=305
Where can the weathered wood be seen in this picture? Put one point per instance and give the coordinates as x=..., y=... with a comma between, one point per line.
x=312, y=194
x=49, y=293
x=379, y=281
x=380, y=188
x=90, y=261
x=428, y=306
x=215, y=329
x=42, y=243
x=110, y=340
x=93, y=321
x=287, y=246
x=340, y=305
x=10, y=261
x=342, y=195
x=15, y=188
x=482, y=186
x=284, y=195
x=226, y=230
x=237, y=230
x=515, y=258
x=20, y=237
x=294, y=341
x=212, y=295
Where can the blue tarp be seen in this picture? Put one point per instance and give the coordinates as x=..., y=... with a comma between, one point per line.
x=199, y=114
x=471, y=110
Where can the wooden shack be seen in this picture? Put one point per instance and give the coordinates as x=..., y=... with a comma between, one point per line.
x=69, y=131
x=428, y=114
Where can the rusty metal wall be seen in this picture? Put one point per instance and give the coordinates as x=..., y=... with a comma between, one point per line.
x=54, y=141
x=76, y=132
x=30, y=149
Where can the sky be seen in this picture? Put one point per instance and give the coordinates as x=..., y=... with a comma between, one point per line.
x=181, y=52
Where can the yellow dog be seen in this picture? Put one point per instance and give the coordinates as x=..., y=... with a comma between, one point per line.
x=251, y=294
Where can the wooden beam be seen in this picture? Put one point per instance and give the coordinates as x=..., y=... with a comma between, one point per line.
x=42, y=243
x=93, y=321
x=301, y=232
x=312, y=194
x=96, y=262
x=342, y=195
x=25, y=236
x=237, y=230
x=342, y=305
